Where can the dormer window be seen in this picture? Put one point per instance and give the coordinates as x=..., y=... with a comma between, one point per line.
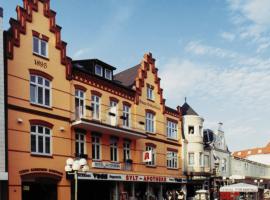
x=108, y=74
x=98, y=70
x=150, y=92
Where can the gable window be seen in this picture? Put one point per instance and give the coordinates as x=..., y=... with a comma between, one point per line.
x=191, y=130
x=171, y=130
x=40, y=47
x=150, y=92
x=114, y=149
x=126, y=116
x=40, y=90
x=98, y=70
x=126, y=150
x=96, y=147
x=172, y=159
x=153, y=155
x=79, y=103
x=95, y=104
x=201, y=159
x=108, y=74
x=150, y=122
x=40, y=140
x=80, y=143
x=191, y=159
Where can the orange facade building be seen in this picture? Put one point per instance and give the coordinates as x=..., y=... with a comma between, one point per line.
x=59, y=108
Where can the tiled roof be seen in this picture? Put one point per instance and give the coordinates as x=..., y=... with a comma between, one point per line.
x=187, y=110
x=254, y=151
x=128, y=76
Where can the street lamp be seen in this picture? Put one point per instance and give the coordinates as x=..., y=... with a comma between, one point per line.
x=258, y=182
x=73, y=167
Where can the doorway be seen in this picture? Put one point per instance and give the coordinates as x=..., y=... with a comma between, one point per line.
x=39, y=190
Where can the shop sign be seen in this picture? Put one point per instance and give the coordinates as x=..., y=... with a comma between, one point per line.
x=133, y=178
x=106, y=165
x=147, y=156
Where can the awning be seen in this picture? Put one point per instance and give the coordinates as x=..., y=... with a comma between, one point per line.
x=239, y=187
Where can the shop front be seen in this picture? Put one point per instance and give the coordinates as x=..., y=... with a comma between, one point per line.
x=124, y=186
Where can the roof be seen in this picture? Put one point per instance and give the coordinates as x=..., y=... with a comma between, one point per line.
x=128, y=76
x=94, y=61
x=253, y=151
x=187, y=110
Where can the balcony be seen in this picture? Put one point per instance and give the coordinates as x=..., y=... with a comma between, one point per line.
x=198, y=171
x=109, y=121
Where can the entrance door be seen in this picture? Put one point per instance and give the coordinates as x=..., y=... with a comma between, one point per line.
x=39, y=191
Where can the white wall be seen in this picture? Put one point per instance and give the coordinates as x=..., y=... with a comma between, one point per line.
x=261, y=158
x=2, y=117
x=248, y=168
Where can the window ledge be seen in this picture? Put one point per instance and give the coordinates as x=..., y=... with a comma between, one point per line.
x=151, y=133
x=172, y=139
x=169, y=168
x=41, y=106
x=40, y=56
x=152, y=100
x=151, y=166
x=41, y=155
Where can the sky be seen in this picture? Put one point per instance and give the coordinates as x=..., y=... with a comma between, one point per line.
x=214, y=52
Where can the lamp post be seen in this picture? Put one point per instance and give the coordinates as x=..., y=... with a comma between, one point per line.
x=258, y=182
x=73, y=167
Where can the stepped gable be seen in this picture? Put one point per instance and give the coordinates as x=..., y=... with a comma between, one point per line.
x=18, y=27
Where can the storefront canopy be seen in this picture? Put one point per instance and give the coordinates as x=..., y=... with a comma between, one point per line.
x=239, y=187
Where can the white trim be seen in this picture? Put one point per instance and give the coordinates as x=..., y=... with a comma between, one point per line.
x=110, y=128
x=3, y=176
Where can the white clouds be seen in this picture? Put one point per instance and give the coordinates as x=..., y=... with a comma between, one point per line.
x=251, y=18
x=228, y=36
x=82, y=53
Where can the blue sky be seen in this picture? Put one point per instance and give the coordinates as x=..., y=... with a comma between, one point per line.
x=214, y=52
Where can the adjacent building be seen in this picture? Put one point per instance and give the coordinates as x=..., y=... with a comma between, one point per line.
x=3, y=161
x=59, y=108
x=196, y=153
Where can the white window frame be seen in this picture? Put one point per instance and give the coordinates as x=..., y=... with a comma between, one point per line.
x=172, y=159
x=96, y=71
x=114, y=104
x=153, y=150
x=96, y=144
x=150, y=92
x=114, y=149
x=150, y=122
x=189, y=160
x=79, y=97
x=126, y=115
x=40, y=41
x=95, y=104
x=201, y=159
x=80, y=141
x=172, y=130
x=34, y=83
x=44, y=136
x=127, y=150
x=110, y=76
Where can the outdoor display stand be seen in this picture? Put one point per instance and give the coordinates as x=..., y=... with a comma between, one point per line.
x=238, y=191
x=202, y=195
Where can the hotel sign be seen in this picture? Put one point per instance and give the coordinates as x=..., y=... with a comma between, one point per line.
x=125, y=177
x=106, y=165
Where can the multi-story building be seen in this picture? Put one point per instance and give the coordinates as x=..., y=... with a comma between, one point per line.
x=196, y=153
x=60, y=109
x=3, y=159
x=259, y=154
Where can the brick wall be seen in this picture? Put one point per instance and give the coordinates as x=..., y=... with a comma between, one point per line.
x=2, y=113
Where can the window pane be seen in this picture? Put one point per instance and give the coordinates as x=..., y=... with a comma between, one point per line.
x=40, y=144
x=40, y=95
x=47, y=145
x=47, y=83
x=82, y=148
x=40, y=80
x=35, y=45
x=43, y=48
x=77, y=147
x=32, y=93
x=33, y=143
x=33, y=129
x=47, y=131
x=33, y=78
x=40, y=129
x=47, y=97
